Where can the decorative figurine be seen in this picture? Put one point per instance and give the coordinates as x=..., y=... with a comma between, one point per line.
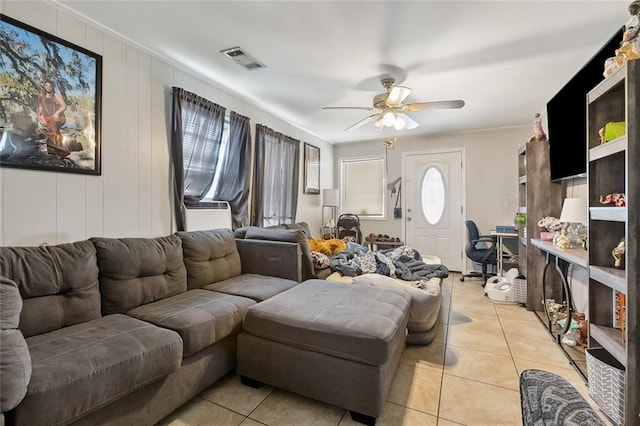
x=563, y=241
x=618, y=254
x=550, y=223
x=617, y=199
x=538, y=132
x=629, y=47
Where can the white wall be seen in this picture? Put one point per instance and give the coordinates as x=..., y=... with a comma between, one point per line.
x=491, y=170
x=132, y=197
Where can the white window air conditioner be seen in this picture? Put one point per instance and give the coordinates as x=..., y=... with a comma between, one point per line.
x=208, y=215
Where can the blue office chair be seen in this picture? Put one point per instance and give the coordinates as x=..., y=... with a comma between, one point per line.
x=480, y=249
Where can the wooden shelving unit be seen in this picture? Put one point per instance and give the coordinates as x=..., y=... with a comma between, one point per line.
x=522, y=208
x=557, y=263
x=538, y=197
x=614, y=167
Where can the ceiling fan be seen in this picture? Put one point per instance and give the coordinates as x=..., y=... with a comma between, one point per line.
x=390, y=109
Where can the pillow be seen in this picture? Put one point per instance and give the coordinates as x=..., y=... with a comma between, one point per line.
x=320, y=260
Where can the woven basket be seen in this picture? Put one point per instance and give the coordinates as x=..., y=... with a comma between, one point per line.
x=606, y=383
x=520, y=290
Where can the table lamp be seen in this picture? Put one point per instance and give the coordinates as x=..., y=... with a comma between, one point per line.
x=574, y=213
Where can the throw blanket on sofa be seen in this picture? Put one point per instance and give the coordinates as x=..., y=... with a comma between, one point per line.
x=402, y=262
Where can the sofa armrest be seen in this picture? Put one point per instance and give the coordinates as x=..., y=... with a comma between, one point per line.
x=15, y=359
x=272, y=258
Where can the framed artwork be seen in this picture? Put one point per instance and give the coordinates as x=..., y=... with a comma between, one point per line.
x=50, y=102
x=311, y=169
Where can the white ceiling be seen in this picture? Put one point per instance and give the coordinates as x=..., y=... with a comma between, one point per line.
x=506, y=59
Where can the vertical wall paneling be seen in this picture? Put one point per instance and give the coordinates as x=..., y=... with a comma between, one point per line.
x=145, y=157
x=94, y=196
x=71, y=188
x=30, y=207
x=119, y=150
x=161, y=207
x=131, y=142
x=133, y=196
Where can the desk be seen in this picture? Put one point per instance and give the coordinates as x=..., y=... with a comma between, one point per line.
x=500, y=240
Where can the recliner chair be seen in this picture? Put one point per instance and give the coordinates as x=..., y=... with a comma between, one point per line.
x=480, y=249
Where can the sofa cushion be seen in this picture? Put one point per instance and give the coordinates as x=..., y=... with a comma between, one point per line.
x=85, y=366
x=15, y=362
x=58, y=284
x=200, y=317
x=360, y=323
x=210, y=256
x=256, y=287
x=137, y=271
x=288, y=235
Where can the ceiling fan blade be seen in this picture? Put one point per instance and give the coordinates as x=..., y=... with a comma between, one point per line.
x=361, y=123
x=360, y=108
x=410, y=123
x=420, y=106
x=397, y=95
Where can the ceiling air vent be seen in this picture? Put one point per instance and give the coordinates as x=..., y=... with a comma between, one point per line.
x=242, y=58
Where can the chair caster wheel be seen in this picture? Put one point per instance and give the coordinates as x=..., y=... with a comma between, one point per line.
x=462, y=279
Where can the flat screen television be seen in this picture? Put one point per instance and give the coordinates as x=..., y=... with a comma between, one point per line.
x=567, y=116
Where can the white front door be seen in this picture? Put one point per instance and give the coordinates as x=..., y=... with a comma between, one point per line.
x=433, y=191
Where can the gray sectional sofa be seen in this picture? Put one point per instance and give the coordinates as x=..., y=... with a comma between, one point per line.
x=124, y=331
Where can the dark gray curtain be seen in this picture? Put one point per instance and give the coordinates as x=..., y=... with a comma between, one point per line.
x=196, y=134
x=234, y=176
x=275, y=178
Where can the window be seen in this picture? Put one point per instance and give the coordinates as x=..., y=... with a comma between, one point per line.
x=362, y=182
x=433, y=195
x=222, y=155
x=275, y=178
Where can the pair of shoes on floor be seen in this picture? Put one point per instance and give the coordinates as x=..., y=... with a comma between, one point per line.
x=371, y=238
x=380, y=238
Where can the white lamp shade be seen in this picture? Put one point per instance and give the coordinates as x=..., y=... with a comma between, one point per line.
x=574, y=210
x=330, y=197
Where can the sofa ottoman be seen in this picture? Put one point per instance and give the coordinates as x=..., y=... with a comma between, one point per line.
x=328, y=341
x=426, y=301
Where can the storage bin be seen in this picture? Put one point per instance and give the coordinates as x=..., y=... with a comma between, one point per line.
x=520, y=290
x=606, y=383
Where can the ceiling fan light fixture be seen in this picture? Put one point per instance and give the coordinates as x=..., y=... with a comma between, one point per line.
x=388, y=119
x=399, y=123
x=397, y=95
x=378, y=123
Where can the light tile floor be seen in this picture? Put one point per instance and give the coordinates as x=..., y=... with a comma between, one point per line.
x=467, y=376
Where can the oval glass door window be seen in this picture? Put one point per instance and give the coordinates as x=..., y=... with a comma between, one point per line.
x=433, y=201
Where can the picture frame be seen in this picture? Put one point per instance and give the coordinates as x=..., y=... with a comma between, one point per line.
x=50, y=102
x=311, y=169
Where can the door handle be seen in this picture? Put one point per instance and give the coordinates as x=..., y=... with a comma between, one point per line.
x=408, y=218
